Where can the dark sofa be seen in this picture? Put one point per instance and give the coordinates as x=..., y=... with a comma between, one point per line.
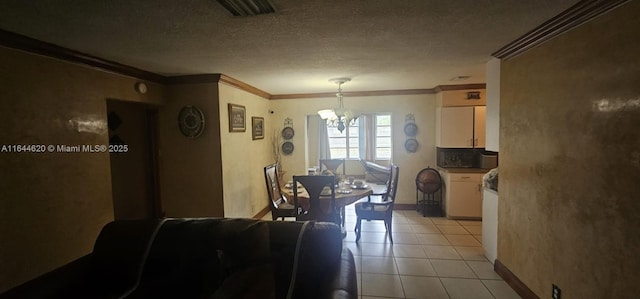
x=205, y=258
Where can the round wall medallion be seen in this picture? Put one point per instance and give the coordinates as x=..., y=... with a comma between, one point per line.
x=191, y=121
x=410, y=129
x=287, y=148
x=287, y=133
x=411, y=145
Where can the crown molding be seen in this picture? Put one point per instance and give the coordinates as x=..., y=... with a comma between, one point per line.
x=217, y=78
x=20, y=42
x=574, y=16
x=244, y=86
x=441, y=88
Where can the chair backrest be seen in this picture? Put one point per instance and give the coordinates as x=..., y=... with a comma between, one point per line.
x=315, y=184
x=388, y=171
x=273, y=186
x=332, y=165
x=392, y=186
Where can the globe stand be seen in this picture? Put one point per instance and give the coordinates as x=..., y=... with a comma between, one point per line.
x=429, y=182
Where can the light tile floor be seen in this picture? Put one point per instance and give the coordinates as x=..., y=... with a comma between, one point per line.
x=430, y=258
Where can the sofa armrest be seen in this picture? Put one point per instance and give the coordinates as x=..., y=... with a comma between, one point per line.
x=53, y=284
x=345, y=282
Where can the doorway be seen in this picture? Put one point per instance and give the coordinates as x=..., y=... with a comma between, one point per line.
x=134, y=160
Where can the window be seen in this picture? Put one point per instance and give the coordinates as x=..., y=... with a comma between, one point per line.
x=348, y=144
x=345, y=145
x=383, y=136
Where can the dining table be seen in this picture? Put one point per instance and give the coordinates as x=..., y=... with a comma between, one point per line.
x=344, y=195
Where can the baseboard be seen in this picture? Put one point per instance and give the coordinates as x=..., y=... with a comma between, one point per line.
x=262, y=213
x=404, y=206
x=513, y=281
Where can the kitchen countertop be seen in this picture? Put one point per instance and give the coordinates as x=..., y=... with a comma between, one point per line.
x=463, y=170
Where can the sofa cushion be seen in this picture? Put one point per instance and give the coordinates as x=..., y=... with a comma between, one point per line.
x=318, y=256
x=182, y=262
x=283, y=236
x=204, y=258
x=245, y=259
x=118, y=258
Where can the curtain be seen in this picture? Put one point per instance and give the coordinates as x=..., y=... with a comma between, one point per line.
x=367, y=144
x=324, y=152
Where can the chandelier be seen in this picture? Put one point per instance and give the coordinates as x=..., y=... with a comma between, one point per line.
x=338, y=117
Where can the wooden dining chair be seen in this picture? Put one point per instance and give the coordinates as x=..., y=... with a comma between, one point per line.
x=379, y=210
x=277, y=201
x=333, y=165
x=316, y=186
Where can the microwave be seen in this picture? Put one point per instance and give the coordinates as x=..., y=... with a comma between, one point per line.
x=455, y=157
x=487, y=160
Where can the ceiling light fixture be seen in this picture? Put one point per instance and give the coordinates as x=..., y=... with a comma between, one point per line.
x=338, y=117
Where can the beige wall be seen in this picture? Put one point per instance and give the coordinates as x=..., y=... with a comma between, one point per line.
x=52, y=205
x=191, y=168
x=243, y=158
x=569, y=212
x=422, y=106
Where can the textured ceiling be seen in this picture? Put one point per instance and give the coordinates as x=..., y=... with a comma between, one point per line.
x=380, y=44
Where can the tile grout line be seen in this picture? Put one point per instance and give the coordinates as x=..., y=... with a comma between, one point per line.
x=445, y=288
x=404, y=293
x=422, y=246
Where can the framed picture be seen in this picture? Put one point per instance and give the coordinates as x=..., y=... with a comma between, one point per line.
x=237, y=118
x=257, y=127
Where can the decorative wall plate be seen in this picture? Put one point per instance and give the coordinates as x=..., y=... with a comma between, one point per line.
x=410, y=129
x=287, y=133
x=191, y=121
x=411, y=145
x=287, y=148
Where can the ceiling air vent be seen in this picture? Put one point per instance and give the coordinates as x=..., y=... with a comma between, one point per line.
x=245, y=8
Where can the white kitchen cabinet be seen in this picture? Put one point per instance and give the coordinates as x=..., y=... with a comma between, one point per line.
x=460, y=127
x=456, y=127
x=463, y=195
x=479, y=126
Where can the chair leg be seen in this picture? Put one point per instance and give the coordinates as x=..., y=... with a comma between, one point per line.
x=387, y=223
x=358, y=229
